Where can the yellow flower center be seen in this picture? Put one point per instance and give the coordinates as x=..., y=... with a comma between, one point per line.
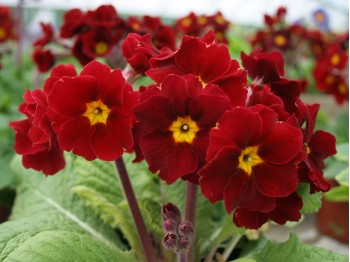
x=329, y=79
x=280, y=40
x=249, y=158
x=97, y=112
x=335, y=59
x=342, y=88
x=202, y=20
x=2, y=33
x=308, y=150
x=101, y=48
x=186, y=22
x=184, y=129
x=219, y=36
x=136, y=26
x=320, y=17
x=220, y=19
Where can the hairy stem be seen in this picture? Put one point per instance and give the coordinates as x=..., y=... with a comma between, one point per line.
x=190, y=212
x=135, y=211
x=181, y=257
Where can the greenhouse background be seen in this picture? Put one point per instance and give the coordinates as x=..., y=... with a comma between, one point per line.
x=22, y=68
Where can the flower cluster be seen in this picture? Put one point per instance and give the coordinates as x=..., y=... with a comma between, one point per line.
x=198, y=25
x=331, y=72
x=296, y=41
x=249, y=145
x=7, y=27
x=101, y=32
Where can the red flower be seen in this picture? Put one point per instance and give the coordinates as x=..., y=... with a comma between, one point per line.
x=210, y=62
x=175, y=120
x=138, y=50
x=331, y=72
x=74, y=23
x=98, y=42
x=78, y=53
x=35, y=139
x=267, y=67
x=91, y=113
x=7, y=24
x=317, y=146
x=251, y=160
x=47, y=37
x=287, y=209
x=104, y=16
x=44, y=59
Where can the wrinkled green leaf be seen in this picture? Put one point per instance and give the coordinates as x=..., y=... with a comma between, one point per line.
x=311, y=202
x=296, y=251
x=66, y=246
x=39, y=196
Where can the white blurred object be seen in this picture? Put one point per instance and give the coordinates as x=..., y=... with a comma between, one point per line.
x=248, y=12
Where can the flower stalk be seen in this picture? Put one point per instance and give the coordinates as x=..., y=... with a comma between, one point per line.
x=135, y=211
x=190, y=212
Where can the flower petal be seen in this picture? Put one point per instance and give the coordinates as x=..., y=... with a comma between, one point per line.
x=276, y=180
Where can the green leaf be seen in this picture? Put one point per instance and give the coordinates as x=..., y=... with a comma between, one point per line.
x=343, y=152
x=343, y=177
x=296, y=251
x=244, y=260
x=311, y=202
x=338, y=194
x=39, y=196
x=66, y=246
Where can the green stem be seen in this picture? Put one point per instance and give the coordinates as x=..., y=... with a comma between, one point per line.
x=230, y=247
x=190, y=213
x=135, y=211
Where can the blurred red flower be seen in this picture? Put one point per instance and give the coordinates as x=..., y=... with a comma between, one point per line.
x=44, y=59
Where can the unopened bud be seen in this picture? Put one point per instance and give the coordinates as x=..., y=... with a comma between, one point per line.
x=186, y=229
x=170, y=211
x=169, y=226
x=184, y=244
x=170, y=241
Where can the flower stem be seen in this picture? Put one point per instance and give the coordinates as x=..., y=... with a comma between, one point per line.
x=181, y=257
x=231, y=246
x=135, y=211
x=190, y=212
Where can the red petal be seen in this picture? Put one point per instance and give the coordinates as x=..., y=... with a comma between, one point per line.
x=155, y=112
x=287, y=209
x=322, y=144
x=49, y=162
x=241, y=192
x=282, y=145
x=276, y=181
x=196, y=57
x=70, y=95
x=74, y=135
x=207, y=109
x=215, y=175
x=249, y=219
x=104, y=143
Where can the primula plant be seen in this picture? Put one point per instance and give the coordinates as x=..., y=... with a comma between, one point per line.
x=208, y=152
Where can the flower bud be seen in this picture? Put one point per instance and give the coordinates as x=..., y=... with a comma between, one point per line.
x=170, y=241
x=169, y=226
x=186, y=229
x=170, y=211
x=184, y=244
